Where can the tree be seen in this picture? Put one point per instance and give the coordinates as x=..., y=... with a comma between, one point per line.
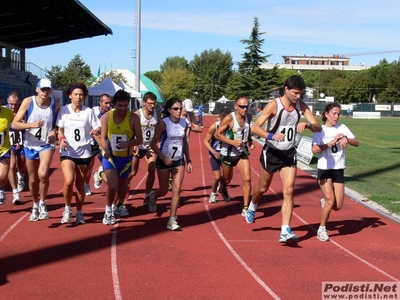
x=76, y=71
x=340, y=89
x=255, y=80
x=155, y=76
x=212, y=69
x=326, y=80
x=174, y=62
x=391, y=93
x=233, y=87
x=177, y=83
x=117, y=77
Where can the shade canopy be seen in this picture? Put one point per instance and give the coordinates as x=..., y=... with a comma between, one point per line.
x=134, y=94
x=107, y=86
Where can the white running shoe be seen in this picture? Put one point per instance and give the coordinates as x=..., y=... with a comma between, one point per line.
x=16, y=198
x=66, y=218
x=43, y=214
x=287, y=236
x=97, y=178
x=21, y=184
x=244, y=212
x=172, y=224
x=322, y=235
x=34, y=217
x=2, y=197
x=109, y=218
x=213, y=198
x=88, y=192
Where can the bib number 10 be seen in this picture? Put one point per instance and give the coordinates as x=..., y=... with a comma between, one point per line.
x=289, y=133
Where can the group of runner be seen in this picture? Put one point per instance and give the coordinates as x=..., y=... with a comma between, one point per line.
x=121, y=138
x=229, y=140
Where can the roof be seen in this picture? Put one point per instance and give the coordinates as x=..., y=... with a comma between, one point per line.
x=29, y=24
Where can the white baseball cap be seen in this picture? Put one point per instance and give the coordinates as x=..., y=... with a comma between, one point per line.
x=188, y=105
x=44, y=83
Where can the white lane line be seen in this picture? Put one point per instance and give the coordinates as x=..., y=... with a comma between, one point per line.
x=12, y=227
x=114, y=268
x=114, y=264
x=225, y=241
x=337, y=244
x=351, y=253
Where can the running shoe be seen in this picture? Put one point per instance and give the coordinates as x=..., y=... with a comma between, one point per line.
x=43, y=214
x=152, y=205
x=213, y=198
x=172, y=224
x=34, y=215
x=20, y=184
x=250, y=214
x=323, y=202
x=79, y=217
x=97, y=178
x=244, y=211
x=225, y=195
x=109, y=218
x=16, y=198
x=66, y=218
x=170, y=183
x=121, y=211
x=322, y=235
x=88, y=192
x=2, y=197
x=287, y=236
x=146, y=199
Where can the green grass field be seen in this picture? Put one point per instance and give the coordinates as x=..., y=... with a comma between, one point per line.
x=373, y=169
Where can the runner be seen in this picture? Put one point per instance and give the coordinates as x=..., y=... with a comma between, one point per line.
x=17, y=171
x=149, y=118
x=76, y=124
x=331, y=144
x=40, y=136
x=120, y=132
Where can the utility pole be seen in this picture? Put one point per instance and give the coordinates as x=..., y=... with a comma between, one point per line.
x=138, y=46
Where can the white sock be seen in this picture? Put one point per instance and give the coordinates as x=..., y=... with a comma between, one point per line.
x=322, y=228
x=253, y=206
x=283, y=228
x=15, y=191
x=42, y=202
x=67, y=207
x=108, y=208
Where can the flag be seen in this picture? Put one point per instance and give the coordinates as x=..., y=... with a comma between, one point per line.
x=98, y=72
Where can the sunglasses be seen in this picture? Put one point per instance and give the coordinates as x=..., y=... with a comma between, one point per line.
x=45, y=89
x=243, y=106
x=176, y=108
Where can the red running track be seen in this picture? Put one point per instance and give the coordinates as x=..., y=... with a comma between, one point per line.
x=217, y=255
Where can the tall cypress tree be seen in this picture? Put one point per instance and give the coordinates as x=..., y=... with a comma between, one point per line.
x=256, y=82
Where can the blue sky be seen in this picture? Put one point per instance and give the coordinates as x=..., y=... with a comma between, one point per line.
x=185, y=28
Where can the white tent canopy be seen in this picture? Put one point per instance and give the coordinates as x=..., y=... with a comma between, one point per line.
x=223, y=99
x=134, y=94
x=106, y=87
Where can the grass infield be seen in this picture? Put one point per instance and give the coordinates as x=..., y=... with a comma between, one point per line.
x=373, y=169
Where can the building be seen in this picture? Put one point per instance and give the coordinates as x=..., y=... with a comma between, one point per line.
x=315, y=63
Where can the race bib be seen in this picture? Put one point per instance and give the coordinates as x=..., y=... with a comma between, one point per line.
x=174, y=151
x=116, y=139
